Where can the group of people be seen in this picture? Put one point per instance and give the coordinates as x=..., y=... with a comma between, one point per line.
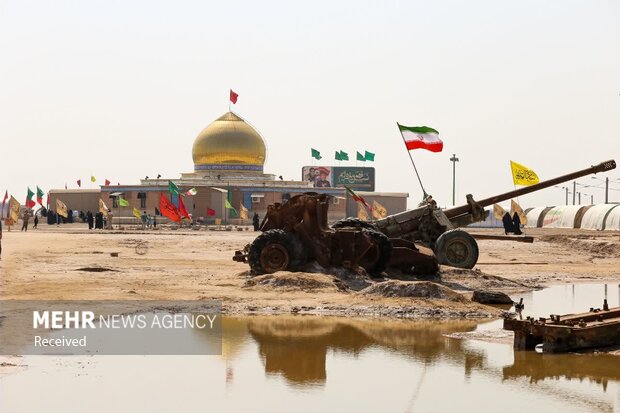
x=26, y=220
x=512, y=225
x=98, y=220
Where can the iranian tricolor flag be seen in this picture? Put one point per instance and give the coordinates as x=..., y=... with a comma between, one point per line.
x=421, y=137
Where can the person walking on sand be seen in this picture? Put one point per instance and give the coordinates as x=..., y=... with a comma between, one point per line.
x=25, y=220
x=90, y=219
x=36, y=221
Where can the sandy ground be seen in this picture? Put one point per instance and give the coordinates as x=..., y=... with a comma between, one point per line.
x=69, y=262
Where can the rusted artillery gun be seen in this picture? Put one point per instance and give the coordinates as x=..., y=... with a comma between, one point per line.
x=297, y=231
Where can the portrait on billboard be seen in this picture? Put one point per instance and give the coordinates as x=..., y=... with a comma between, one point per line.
x=320, y=176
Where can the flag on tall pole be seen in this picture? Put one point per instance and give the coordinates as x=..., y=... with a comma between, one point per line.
x=79, y=182
x=369, y=156
x=29, y=202
x=344, y=156
x=107, y=182
x=173, y=189
x=360, y=157
x=522, y=175
x=421, y=137
x=93, y=179
x=315, y=154
x=227, y=205
x=168, y=209
x=408, y=137
x=233, y=96
x=123, y=202
x=40, y=194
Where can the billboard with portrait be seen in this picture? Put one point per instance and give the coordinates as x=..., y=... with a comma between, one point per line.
x=359, y=178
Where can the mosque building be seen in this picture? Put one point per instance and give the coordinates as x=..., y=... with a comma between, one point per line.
x=229, y=157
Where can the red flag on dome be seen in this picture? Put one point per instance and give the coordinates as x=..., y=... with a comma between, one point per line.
x=233, y=96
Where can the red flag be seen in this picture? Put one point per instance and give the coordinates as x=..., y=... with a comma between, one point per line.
x=210, y=212
x=233, y=96
x=182, y=209
x=168, y=209
x=107, y=183
x=79, y=182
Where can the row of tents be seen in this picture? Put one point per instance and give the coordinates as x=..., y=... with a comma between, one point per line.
x=595, y=217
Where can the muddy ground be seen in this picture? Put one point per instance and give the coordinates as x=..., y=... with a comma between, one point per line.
x=70, y=262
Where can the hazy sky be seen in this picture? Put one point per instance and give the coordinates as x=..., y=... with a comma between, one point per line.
x=120, y=89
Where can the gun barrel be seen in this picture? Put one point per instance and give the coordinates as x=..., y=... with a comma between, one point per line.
x=464, y=209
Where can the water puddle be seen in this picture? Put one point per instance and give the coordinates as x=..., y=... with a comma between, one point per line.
x=308, y=364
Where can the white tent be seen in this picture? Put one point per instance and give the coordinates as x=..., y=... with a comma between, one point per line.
x=562, y=216
x=612, y=221
x=595, y=217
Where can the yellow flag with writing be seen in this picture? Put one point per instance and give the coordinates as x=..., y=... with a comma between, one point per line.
x=522, y=175
x=514, y=207
x=61, y=208
x=378, y=210
x=362, y=213
x=137, y=213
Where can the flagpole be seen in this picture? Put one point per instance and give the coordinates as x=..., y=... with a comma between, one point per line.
x=413, y=163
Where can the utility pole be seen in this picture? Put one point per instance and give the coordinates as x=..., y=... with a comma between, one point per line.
x=566, y=190
x=607, y=190
x=454, y=160
x=574, y=191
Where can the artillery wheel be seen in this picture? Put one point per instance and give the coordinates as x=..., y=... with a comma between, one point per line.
x=276, y=250
x=457, y=248
x=352, y=223
x=376, y=260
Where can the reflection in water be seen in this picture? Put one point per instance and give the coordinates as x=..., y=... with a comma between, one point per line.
x=600, y=368
x=297, y=346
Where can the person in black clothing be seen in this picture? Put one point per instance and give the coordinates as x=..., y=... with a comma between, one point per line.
x=98, y=220
x=255, y=221
x=89, y=218
x=516, y=224
x=36, y=221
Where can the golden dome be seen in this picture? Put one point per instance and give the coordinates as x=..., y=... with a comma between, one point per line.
x=229, y=143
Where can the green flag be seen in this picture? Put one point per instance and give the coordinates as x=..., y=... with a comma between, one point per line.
x=174, y=190
x=337, y=156
x=360, y=157
x=315, y=154
x=123, y=201
x=40, y=192
x=344, y=156
x=369, y=156
x=228, y=206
